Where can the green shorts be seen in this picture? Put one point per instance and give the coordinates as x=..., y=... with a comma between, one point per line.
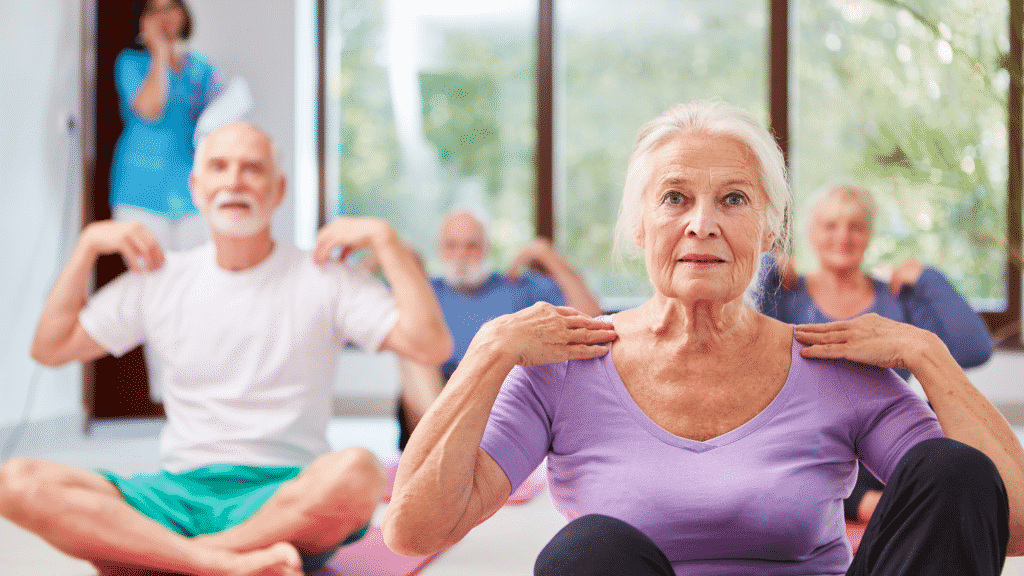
x=209, y=499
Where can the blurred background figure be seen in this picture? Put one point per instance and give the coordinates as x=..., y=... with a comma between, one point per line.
x=842, y=221
x=162, y=90
x=471, y=292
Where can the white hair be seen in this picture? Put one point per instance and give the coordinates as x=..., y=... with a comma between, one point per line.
x=843, y=191
x=712, y=119
x=275, y=152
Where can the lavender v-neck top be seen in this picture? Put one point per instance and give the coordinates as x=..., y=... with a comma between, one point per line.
x=764, y=498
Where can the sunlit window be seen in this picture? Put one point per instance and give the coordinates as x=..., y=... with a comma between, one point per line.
x=431, y=107
x=910, y=99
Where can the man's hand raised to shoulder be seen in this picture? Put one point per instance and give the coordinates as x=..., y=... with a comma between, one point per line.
x=59, y=337
x=421, y=333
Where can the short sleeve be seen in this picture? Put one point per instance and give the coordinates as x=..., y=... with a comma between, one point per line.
x=129, y=74
x=892, y=418
x=544, y=289
x=366, y=311
x=113, y=317
x=518, y=434
x=212, y=82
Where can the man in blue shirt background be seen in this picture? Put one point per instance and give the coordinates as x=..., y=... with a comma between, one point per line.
x=471, y=292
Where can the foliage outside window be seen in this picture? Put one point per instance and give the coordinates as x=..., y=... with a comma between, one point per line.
x=435, y=107
x=435, y=111
x=909, y=97
x=619, y=65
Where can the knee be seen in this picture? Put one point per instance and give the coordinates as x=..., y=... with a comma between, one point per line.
x=355, y=472
x=20, y=482
x=956, y=468
x=601, y=541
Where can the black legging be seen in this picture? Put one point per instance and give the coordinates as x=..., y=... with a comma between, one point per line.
x=944, y=511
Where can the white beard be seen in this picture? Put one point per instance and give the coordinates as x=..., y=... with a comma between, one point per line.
x=237, y=226
x=466, y=277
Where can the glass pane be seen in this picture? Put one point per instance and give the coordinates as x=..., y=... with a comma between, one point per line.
x=618, y=65
x=909, y=99
x=431, y=106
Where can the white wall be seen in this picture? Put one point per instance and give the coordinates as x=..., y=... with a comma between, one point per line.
x=39, y=183
x=256, y=41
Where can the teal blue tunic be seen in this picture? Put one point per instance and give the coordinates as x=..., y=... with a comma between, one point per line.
x=152, y=160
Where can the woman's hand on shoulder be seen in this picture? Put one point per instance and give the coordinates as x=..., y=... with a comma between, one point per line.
x=869, y=339
x=906, y=274
x=545, y=334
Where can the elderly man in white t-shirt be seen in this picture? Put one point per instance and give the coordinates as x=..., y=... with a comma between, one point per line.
x=246, y=330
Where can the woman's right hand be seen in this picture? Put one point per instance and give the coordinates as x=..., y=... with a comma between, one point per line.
x=545, y=334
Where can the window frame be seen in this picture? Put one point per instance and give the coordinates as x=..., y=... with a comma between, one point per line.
x=1005, y=326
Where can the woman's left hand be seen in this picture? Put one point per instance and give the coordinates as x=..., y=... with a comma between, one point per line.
x=869, y=339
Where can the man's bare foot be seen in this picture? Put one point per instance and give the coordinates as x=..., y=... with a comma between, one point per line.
x=281, y=559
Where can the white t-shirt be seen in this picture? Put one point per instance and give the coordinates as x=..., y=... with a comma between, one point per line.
x=248, y=357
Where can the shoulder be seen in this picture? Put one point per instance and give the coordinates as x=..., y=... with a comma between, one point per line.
x=200, y=61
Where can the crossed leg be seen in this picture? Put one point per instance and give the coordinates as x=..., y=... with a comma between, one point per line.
x=334, y=496
x=84, y=515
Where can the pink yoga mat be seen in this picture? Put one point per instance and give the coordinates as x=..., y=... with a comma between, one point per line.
x=371, y=557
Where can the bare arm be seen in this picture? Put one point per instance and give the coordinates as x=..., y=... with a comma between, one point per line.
x=151, y=97
x=577, y=295
x=59, y=336
x=421, y=385
x=446, y=484
x=421, y=333
x=964, y=413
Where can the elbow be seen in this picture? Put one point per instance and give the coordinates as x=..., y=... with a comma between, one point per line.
x=437, y=346
x=443, y=346
x=44, y=356
x=401, y=536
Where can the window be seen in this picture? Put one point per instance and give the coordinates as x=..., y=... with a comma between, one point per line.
x=910, y=101
x=434, y=107
x=431, y=107
x=618, y=65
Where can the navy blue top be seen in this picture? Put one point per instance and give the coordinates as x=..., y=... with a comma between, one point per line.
x=932, y=303
x=466, y=313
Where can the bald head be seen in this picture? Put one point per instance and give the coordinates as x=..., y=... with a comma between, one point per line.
x=235, y=180
x=240, y=130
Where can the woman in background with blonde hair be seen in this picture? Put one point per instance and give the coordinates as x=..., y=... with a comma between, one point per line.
x=842, y=221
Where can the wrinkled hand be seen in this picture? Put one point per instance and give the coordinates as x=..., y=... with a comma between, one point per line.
x=536, y=251
x=905, y=275
x=351, y=234
x=545, y=334
x=869, y=339
x=138, y=246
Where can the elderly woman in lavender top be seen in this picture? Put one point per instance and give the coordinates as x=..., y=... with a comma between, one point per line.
x=695, y=435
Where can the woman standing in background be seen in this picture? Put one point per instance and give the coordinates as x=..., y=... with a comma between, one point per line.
x=162, y=89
